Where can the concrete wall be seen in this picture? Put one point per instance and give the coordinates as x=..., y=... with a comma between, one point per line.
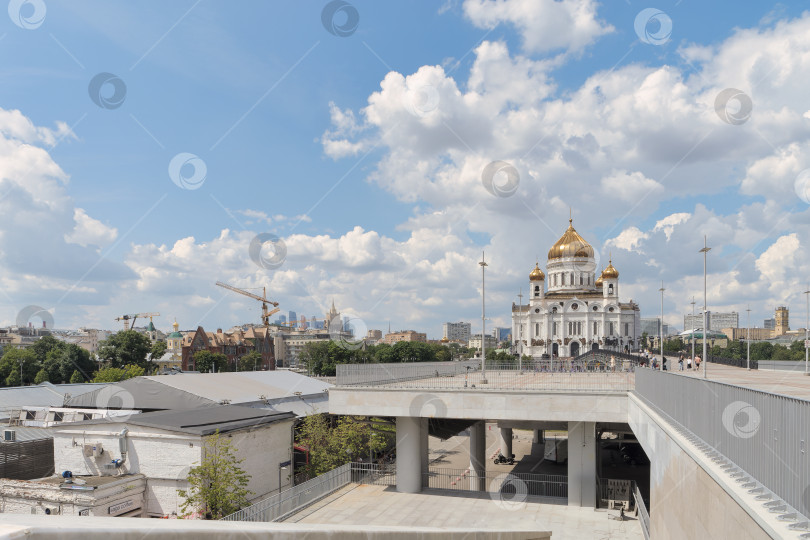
x=32, y=497
x=685, y=500
x=480, y=404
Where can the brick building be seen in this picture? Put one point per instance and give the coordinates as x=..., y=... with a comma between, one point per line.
x=234, y=345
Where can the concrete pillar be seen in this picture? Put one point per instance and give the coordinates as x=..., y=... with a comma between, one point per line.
x=582, y=464
x=423, y=450
x=409, y=455
x=478, y=447
x=538, y=436
x=506, y=441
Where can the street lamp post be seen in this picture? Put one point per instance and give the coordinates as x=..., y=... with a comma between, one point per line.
x=483, y=266
x=520, y=330
x=806, y=330
x=661, y=325
x=748, y=338
x=705, y=250
x=692, y=336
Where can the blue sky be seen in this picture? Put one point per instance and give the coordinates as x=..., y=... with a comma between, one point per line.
x=377, y=196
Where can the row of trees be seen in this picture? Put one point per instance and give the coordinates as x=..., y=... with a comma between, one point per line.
x=321, y=357
x=760, y=350
x=120, y=357
x=206, y=361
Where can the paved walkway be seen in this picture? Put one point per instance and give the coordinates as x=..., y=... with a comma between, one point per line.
x=378, y=505
x=788, y=383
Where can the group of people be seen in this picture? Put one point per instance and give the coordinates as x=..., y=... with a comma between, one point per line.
x=652, y=361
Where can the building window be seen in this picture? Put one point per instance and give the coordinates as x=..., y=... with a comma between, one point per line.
x=30, y=415
x=554, y=328
x=572, y=278
x=58, y=416
x=626, y=329
x=536, y=329
x=595, y=328
x=610, y=329
x=562, y=279
x=610, y=288
x=580, y=279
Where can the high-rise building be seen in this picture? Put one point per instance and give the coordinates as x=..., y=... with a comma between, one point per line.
x=782, y=316
x=501, y=334
x=717, y=320
x=652, y=326
x=292, y=317
x=456, y=331
x=770, y=324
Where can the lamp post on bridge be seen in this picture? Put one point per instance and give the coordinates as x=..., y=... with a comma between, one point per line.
x=692, y=336
x=748, y=338
x=520, y=330
x=661, y=326
x=806, y=330
x=483, y=266
x=705, y=250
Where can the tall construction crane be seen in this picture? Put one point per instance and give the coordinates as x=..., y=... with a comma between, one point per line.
x=263, y=299
x=132, y=316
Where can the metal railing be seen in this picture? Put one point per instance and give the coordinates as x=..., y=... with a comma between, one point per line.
x=735, y=362
x=643, y=515
x=282, y=504
x=765, y=435
x=546, y=375
x=512, y=486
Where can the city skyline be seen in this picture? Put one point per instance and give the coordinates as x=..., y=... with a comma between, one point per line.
x=142, y=162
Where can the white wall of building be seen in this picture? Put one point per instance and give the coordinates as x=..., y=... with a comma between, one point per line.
x=165, y=457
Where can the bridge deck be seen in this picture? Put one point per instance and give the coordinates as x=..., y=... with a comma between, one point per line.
x=788, y=383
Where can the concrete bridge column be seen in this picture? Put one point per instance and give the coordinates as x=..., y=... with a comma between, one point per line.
x=424, y=446
x=478, y=447
x=582, y=464
x=538, y=436
x=410, y=448
x=506, y=441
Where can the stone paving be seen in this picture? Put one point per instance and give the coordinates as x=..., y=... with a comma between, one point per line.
x=788, y=383
x=380, y=505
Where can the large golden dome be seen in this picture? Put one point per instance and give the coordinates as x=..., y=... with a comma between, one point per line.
x=537, y=274
x=570, y=244
x=610, y=272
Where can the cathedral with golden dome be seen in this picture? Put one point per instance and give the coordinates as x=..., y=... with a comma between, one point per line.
x=570, y=310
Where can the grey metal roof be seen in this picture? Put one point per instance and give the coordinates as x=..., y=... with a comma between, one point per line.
x=43, y=395
x=25, y=433
x=199, y=421
x=191, y=390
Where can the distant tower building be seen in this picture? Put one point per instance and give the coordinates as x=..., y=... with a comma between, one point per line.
x=174, y=343
x=292, y=317
x=333, y=322
x=303, y=324
x=782, y=321
x=151, y=331
x=769, y=324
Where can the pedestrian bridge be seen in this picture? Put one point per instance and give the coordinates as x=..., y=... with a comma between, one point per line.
x=727, y=460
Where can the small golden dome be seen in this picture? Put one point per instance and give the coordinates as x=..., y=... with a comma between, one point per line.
x=570, y=244
x=599, y=281
x=537, y=274
x=610, y=272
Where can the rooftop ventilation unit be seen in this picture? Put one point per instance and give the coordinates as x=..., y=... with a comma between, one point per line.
x=9, y=435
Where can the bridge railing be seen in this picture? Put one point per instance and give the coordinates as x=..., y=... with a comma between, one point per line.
x=546, y=375
x=761, y=437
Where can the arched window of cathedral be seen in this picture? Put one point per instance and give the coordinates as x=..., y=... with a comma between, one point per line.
x=562, y=279
x=595, y=328
x=537, y=310
x=572, y=278
x=575, y=306
x=554, y=310
x=580, y=279
x=595, y=308
x=610, y=288
x=536, y=329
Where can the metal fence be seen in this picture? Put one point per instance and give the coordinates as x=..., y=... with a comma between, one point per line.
x=282, y=504
x=765, y=437
x=547, y=375
x=643, y=515
x=511, y=486
x=736, y=362
x=26, y=460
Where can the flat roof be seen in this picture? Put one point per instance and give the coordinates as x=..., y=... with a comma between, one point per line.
x=43, y=395
x=200, y=421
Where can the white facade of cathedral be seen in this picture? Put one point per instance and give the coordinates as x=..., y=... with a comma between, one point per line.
x=575, y=311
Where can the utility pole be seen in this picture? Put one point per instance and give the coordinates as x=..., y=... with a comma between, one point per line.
x=692, y=337
x=520, y=331
x=483, y=266
x=661, y=326
x=748, y=338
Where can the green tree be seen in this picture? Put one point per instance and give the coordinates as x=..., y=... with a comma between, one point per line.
x=205, y=360
x=251, y=361
x=45, y=345
x=125, y=347
x=10, y=366
x=76, y=377
x=42, y=376
x=217, y=486
x=111, y=374
x=73, y=358
x=158, y=349
x=332, y=444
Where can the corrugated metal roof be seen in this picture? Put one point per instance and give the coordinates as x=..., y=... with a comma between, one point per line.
x=24, y=433
x=200, y=421
x=191, y=390
x=43, y=395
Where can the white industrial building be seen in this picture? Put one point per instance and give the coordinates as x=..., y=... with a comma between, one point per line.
x=161, y=447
